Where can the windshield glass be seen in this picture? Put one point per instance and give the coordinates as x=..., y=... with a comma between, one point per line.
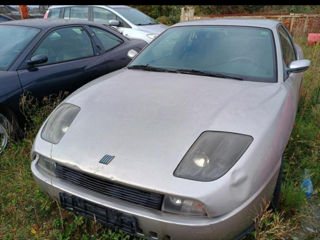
x=12, y=41
x=135, y=16
x=243, y=53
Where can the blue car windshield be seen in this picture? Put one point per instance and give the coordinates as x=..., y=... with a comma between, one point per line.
x=13, y=40
x=135, y=16
x=233, y=52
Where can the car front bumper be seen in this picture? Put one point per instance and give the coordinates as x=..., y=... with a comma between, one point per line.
x=155, y=224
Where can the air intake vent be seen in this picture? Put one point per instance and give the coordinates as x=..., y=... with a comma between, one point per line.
x=111, y=189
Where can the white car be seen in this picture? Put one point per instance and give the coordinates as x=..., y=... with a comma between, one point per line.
x=184, y=143
x=129, y=21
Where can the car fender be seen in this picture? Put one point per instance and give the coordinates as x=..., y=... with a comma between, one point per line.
x=135, y=34
x=10, y=90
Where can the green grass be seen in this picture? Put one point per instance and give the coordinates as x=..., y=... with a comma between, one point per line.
x=27, y=213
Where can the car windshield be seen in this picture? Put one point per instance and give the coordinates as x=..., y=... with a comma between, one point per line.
x=12, y=41
x=135, y=16
x=236, y=52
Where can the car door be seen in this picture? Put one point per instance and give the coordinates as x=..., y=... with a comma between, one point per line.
x=69, y=50
x=76, y=12
x=293, y=80
x=114, y=51
x=54, y=13
x=291, y=85
x=103, y=16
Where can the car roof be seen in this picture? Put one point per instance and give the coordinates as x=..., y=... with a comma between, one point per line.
x=118, y=6
x=48, y=23
x=110, y=6
x=252, y=22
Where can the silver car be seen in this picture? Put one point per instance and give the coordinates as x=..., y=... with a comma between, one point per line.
x=184, y=143
x=129, y=21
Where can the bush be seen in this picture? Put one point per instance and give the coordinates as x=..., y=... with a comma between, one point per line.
x=163, y=20
x=167, y=20
x=167, y=14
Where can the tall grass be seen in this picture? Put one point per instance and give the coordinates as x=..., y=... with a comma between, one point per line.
x=28, y=213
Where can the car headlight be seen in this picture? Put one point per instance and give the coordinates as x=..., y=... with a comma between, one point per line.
x=59, y=122
x=152, y=35
x=47, y=165
x=183, y=206
x=212, y=155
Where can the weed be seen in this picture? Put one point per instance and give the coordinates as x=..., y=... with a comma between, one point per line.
x=292, y=198
x=271, y=225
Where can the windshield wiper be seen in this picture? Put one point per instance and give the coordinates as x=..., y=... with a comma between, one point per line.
x=205, y=73
x=142, y=24
x=147, y=67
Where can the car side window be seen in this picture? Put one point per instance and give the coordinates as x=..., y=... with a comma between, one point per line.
x=107, y=39
x=79, y=13
x=102, y=15
x=54, y=13
x=65, y=44
x=288, y=52
x=66, y=13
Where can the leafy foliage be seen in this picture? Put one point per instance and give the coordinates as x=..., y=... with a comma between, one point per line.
x=166, y=14
x=170, y=14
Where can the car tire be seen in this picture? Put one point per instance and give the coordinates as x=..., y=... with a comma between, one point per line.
x=277, y=190
x=9, y=129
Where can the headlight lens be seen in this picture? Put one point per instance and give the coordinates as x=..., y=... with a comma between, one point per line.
x=47, y=165
x=152, y=35
x=212, y=155
x=59, y=122
x=183, y=206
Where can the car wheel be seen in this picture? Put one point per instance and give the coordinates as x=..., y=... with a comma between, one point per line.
x=277, y=190
x=8, y=130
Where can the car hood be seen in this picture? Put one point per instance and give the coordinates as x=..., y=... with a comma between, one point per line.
x=149, y=120
x=156, y=28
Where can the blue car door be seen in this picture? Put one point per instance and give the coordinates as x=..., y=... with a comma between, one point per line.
x=69, y=50
x=114, y=49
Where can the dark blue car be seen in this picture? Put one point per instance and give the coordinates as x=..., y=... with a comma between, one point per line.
x=47, y=56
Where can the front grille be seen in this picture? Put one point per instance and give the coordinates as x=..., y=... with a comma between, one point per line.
x=111, y=189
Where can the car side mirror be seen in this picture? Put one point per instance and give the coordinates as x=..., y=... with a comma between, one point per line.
x=298, y=66
x=114, y=23
x=132, y=53
x=37, y=59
